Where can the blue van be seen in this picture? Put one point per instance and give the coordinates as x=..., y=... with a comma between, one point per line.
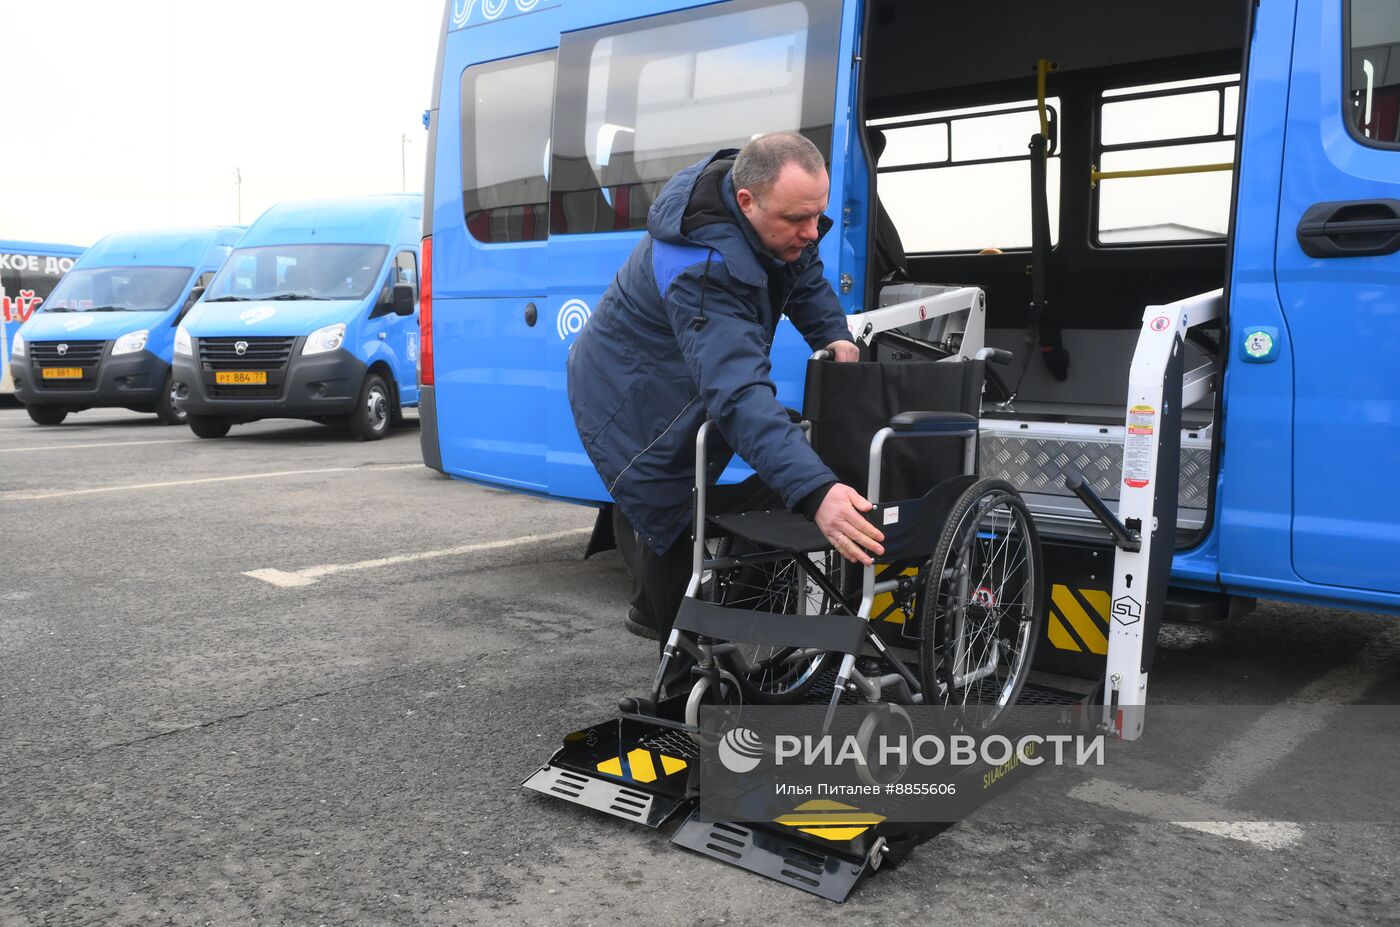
x=105, y=335
x=314, y=317
x=29, y=270
x=1205, y=192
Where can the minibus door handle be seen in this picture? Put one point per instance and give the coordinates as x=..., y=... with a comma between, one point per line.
x=1354, y=228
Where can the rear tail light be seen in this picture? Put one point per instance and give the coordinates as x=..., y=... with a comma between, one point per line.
x=425, y=315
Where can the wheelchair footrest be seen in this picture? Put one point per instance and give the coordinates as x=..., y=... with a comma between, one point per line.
x=824, y=867
x=606, y=795
x=630, y=767
x=841, y=633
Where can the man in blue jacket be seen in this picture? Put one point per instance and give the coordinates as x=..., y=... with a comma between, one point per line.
x=683, y=333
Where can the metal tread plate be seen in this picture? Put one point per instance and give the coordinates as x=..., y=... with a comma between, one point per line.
x=1035, y=456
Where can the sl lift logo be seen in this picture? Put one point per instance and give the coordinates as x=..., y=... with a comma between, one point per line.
x=1127, y=610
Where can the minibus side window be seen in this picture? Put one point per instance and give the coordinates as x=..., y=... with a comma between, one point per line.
x=960, y=180
x=1150, y=131
x=1373, y=71
x=506, y=111
x=641, y=100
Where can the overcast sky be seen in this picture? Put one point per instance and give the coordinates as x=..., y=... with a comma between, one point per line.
x=124, y=114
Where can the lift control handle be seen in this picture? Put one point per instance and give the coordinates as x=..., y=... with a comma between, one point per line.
x=1122, y=537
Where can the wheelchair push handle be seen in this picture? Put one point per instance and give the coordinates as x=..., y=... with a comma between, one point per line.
x=1122, y=537
x=995, y=355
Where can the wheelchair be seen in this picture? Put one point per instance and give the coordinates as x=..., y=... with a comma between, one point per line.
x=773, y=615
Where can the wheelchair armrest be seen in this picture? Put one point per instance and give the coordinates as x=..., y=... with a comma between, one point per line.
x=952, y=424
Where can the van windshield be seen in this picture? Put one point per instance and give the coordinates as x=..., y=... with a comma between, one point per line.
x=298, y=272
x=118, y=289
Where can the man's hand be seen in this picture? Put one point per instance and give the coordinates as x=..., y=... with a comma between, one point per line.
x=844, y=351
x=840, y=521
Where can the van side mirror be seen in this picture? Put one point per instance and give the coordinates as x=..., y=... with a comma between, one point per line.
x=189, y=301
x=403, y=299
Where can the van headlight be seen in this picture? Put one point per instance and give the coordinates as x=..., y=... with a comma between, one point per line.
x=183, y=346
x=324, y=339
x=130, y=343
x=17, y=346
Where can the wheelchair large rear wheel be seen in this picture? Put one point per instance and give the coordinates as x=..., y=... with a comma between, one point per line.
x=982, y=607
x=768, y=674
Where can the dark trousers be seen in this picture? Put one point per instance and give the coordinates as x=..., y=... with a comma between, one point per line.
x=659, y=580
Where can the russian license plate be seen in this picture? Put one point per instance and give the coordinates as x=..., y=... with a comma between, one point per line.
x=63, y=373
x=240, y=377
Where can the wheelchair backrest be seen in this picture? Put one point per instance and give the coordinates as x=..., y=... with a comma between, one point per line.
x=848, y=402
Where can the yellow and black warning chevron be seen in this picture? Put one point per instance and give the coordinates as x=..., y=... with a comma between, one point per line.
x=642, y=765
x=1078, y=620
x=830, y=820
x=884, y=600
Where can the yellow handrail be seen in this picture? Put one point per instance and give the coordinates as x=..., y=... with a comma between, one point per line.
x=1095, y=175
x=1042, y=67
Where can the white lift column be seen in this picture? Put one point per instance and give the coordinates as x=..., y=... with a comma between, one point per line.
x=1158, y=389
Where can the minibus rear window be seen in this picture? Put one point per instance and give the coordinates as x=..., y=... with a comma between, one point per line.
x=506, y=110
x=959, y=180
x=642, y=100
x=1164, y=161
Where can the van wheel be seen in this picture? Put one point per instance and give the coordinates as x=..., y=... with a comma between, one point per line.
x=374, y=408
x=166, y=409
x=208, y=426
x=47, y=415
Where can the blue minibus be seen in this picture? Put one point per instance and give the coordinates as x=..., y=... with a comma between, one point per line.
x=105, y=334
x=29, y=270
x=313, y=317
x=1206, y=193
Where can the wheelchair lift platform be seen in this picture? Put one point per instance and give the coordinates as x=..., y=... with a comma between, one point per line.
x=643, y=769
x=1108, y=587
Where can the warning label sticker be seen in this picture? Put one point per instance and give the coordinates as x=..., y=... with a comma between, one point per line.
x=1137, y=446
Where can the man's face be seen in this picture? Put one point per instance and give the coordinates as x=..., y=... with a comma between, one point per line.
x=786, y=216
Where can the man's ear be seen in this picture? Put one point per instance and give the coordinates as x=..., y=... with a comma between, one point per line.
x=745, y=199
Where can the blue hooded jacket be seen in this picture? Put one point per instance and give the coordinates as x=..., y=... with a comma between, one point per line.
x=682, y=334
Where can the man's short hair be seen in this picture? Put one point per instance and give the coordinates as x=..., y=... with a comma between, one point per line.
x=760, y=162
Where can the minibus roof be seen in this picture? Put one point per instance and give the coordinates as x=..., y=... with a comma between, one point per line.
x=184, y=247
x=356, y=220
x=38, y=247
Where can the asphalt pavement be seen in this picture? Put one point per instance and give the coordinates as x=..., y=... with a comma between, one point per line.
x=340, y=737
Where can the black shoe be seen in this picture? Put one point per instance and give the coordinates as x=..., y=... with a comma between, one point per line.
x=633, y=622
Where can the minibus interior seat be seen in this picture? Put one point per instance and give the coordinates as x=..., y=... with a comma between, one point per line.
x=295, y=279
x=890, y=261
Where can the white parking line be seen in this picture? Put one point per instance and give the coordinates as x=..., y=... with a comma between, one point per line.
x=70, y=447
x=1279, y=731
x=30, y=497
x=1254, y=754
x=305, y=577
x=1188, y=812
